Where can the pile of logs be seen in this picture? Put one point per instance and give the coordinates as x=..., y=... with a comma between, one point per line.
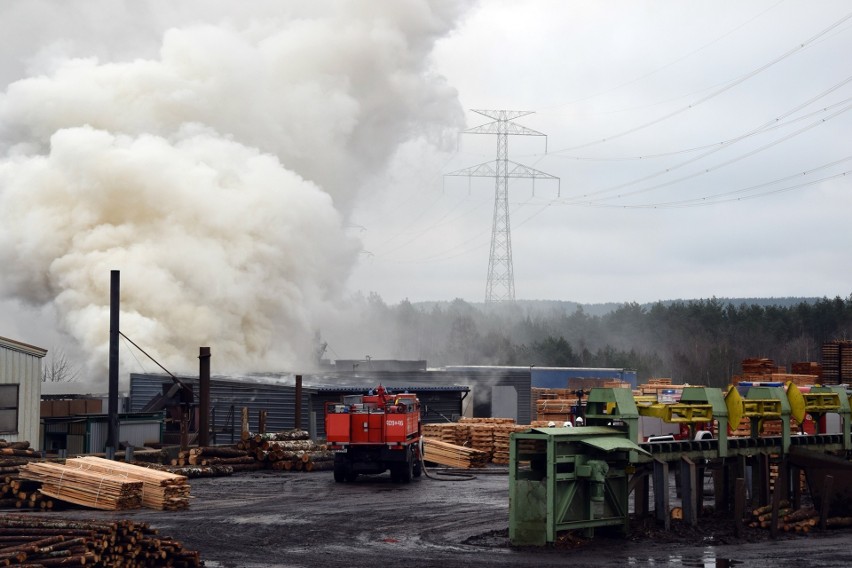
x=160, y=490
x=23, y=494
x=794, y=520
x=290, y=450
x=15, y=454
x=190, y=471
x=439, y=452
x=43, y=542
x=236, y=459
x=90, y=489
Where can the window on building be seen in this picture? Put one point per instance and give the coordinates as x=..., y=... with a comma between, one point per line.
x=9, y=408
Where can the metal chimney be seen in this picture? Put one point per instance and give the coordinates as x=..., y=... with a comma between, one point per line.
x=112, y=424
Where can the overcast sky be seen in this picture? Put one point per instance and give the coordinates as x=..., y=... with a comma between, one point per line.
x=691, y=140
x=248, y=167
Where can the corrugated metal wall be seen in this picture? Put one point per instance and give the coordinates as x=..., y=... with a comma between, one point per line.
x=278, y=400
x=24, y=369
x=136, y=433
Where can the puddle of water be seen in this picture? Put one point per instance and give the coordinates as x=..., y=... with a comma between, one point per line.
x=708, y=560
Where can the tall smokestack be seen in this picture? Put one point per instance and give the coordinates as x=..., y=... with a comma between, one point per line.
x=114, y=295
x=204, y=396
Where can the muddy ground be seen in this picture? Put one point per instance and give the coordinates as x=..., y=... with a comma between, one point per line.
x=288, y=519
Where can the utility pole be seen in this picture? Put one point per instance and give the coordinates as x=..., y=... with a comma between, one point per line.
x=501, y=278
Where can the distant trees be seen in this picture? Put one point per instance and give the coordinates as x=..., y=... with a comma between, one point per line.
x=701, y=341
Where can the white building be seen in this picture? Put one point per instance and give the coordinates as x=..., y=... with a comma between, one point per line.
x=20, y=391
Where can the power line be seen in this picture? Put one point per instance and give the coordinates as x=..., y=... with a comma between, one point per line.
x=728, y=86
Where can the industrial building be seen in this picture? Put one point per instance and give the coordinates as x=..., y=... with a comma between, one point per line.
x=20, y=391
x=277, y=394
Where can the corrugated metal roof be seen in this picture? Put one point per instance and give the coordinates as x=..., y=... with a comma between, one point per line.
x=392, y=388
x=24, y=347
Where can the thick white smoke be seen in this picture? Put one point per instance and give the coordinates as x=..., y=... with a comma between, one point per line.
x=217, y=177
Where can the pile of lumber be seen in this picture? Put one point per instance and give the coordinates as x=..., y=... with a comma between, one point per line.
x=450, y=432
x=289, y=450
x=655, y=386
x=89, y=489
x=501, y=441
x=160, y=490
x=439, y=452
x=807, y=368
x=760, y=366
x=47, y=541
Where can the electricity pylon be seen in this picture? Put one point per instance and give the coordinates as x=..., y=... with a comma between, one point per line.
x=501, y=278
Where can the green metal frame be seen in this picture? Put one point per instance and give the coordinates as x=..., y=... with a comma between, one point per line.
x=821, y=406
x=576, y=479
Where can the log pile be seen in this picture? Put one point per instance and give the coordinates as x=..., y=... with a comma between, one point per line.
x=160, y=490
x=89, y=489
x=793, y=520
x=45, y=541
x=190, y=471
x=439, y=452
x=13, y=455
x=23, y=494
x=236, y=459
x=289, y=450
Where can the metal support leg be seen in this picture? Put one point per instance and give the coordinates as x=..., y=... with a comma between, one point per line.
x=661, y=493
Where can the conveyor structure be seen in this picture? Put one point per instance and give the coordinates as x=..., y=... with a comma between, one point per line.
x=578, y=477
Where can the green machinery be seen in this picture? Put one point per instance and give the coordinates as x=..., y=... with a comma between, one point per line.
x=577, y=479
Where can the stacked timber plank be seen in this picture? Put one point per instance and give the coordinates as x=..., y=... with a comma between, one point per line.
x=482, y=432
x=765, y=370
x=89, y=489
x=658, y=386
x=450, y=432
x=806, y=368
x=289, y=450
x=46, y=541
x=837, y=362
x=451, y=455
x=160, y=490
x=501, y=441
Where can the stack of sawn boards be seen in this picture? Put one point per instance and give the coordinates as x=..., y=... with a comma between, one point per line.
x=109, y=485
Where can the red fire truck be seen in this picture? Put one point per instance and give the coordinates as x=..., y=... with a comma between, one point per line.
x=374, y=433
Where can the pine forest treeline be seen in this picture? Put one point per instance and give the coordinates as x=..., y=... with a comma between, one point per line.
x=696, y=341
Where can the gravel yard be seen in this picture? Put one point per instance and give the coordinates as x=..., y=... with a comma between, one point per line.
x=281, y=519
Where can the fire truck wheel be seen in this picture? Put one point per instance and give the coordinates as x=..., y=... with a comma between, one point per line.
x=417, y=468
x=407, y=468
x=339, y=474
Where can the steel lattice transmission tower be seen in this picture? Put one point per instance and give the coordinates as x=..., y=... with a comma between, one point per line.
x=501, y=279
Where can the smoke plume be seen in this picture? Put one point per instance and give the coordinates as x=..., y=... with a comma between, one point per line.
x=216, y=176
